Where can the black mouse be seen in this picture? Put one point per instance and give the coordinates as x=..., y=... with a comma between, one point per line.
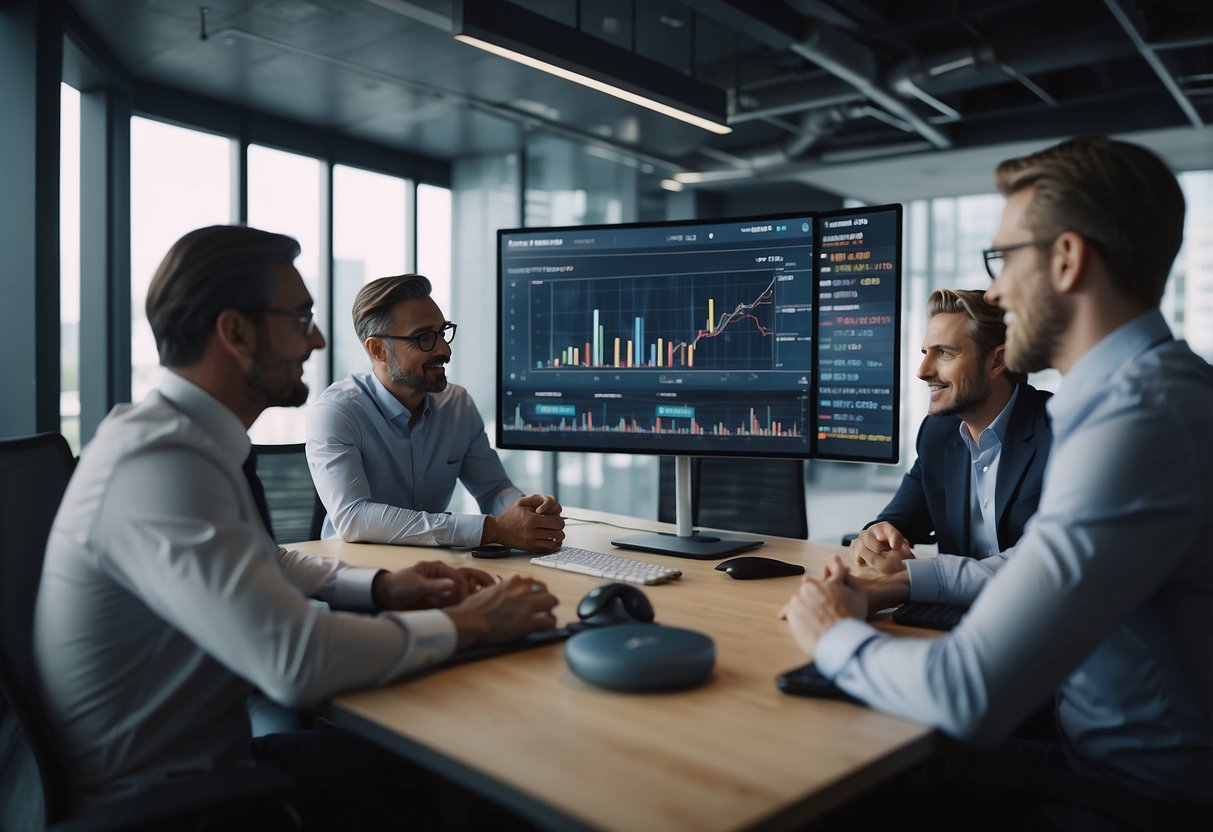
x=747, y=567
x=614, y=604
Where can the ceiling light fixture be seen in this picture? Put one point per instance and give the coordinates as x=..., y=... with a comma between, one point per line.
x=520, y=35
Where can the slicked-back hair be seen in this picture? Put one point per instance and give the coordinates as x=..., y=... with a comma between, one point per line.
x=1119, y=196
x=206, y=271
x=985, y=321
x=375, y=301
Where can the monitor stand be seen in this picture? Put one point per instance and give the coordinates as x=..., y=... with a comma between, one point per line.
x=687, y=543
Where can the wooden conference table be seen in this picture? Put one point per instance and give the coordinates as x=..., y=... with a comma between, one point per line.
x=732, y=754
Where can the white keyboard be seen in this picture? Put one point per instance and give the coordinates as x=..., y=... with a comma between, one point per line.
x=613, y=567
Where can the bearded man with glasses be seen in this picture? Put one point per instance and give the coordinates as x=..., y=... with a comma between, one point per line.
x=1106, y=602
x=387, y=447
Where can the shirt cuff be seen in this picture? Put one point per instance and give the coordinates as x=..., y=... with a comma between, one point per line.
x=841, y=643
x=431, y=638
x=925, y=582
x=466, y=530
x=353, y=589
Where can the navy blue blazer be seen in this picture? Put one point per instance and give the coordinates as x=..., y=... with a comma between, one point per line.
x=932, y=503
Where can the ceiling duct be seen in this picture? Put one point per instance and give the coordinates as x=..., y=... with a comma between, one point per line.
x=837, y=53
x=792, y=97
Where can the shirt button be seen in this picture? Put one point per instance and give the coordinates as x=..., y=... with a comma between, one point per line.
x=987, y=468
x=985, y=503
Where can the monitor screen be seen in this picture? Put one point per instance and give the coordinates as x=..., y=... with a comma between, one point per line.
x=856, y=378
x=771, y=336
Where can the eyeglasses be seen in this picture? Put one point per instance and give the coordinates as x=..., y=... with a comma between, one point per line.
x=306, y=318
x=428, y=339
x=996, y=257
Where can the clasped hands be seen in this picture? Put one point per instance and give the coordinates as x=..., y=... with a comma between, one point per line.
x=881, y=549
x=532, y=523
x=820, y=603
x=485, y=610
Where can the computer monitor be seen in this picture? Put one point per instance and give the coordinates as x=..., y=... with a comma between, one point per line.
x=772, y=336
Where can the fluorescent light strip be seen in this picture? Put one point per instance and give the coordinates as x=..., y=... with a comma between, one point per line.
x=595, y=84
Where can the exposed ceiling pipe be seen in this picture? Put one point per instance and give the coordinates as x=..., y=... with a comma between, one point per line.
x=793, y=97
x=851, y=61
x=814, y=126
x=967, y=68
x=1127, y=19
x=923, y=78
x=829, y=47
x=791, y=170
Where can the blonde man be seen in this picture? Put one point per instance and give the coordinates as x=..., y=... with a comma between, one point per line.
x=981, y=450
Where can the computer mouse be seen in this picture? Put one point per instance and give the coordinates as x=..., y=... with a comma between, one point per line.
x=614, y=604
x=748, y=567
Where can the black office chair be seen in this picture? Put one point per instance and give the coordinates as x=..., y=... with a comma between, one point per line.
x=296, y=512
x=762, y=496
x=34, y=472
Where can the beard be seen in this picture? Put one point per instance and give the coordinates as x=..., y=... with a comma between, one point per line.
x=968, y=395
x=421, y=382
x=272, y=376
x=1035, y=338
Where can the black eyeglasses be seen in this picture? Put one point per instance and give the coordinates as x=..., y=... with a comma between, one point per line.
x=306, y=318
x=426, y=340
x=996, y=257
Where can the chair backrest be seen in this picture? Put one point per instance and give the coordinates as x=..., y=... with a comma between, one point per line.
x=296, y=513
x=762, y=496
x=34, y=472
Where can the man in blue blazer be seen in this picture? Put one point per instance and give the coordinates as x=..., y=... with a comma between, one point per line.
x=981, y=450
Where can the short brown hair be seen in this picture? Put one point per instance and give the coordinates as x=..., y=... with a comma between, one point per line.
x=985, y=326
x=374, y=303
x=206, y=271
x=1120, y=197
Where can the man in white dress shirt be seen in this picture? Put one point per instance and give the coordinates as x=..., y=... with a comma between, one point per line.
x=164, y=600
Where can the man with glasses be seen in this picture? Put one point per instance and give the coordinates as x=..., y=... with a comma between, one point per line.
x=1108, y=597
x=981, y=450
x=164, y=600
x=386, y=448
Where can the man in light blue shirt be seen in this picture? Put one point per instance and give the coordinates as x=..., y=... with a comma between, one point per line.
x=1108, y=597
x=386, y=448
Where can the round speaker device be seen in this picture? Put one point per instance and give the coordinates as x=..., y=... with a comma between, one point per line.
x=639, y=657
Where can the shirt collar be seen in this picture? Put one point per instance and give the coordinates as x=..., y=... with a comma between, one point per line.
x=209, y=413
x=389, y=405
x=998, y=426
x=1092, y=371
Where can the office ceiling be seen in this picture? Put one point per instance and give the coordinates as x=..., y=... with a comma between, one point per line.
x=875, y=99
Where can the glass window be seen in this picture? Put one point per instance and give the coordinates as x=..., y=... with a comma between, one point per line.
x=1190, y=289
x=370, y=240
x=180, y=180
x=285, y=193
x=434, y=241
x=69, y=265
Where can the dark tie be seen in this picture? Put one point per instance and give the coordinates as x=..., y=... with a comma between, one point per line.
x=254, y=484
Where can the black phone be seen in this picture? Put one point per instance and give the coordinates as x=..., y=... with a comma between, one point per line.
x=807, y=680
x=493, y=550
